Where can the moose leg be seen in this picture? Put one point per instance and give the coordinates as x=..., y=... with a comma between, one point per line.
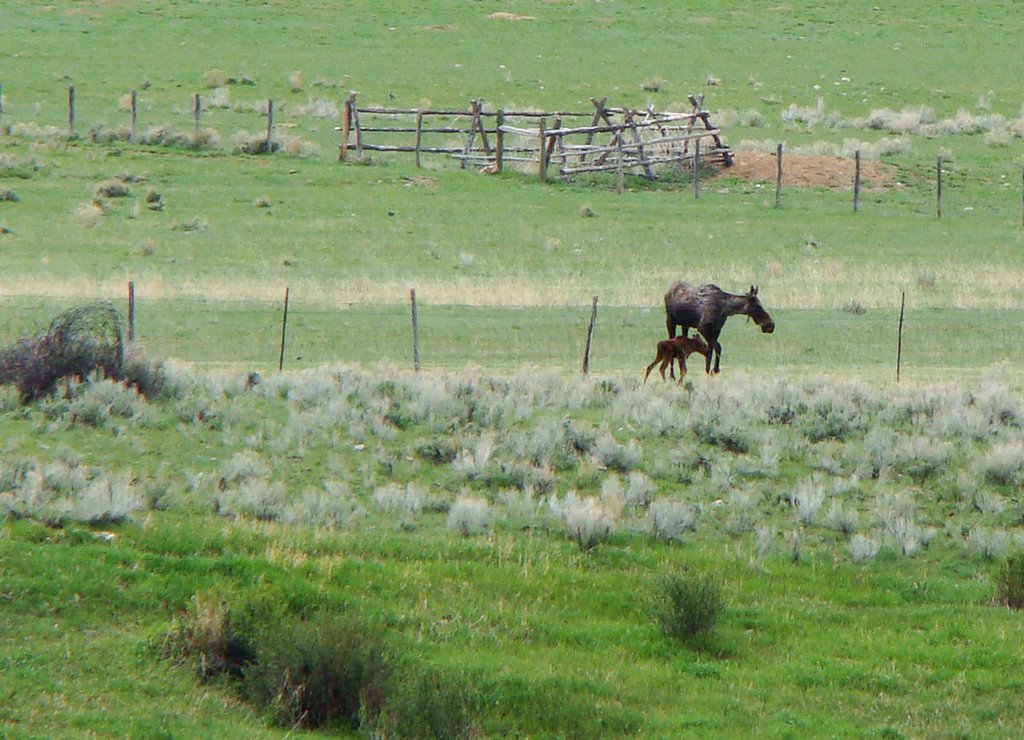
x=651, y=367
x=682, y=365
x=718, y=356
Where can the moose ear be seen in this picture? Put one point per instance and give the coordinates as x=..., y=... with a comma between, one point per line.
x=753, y=290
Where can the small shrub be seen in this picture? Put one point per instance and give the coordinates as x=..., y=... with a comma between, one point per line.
x=987, y=543
x=670, y=519
x=469, y=516
x=1003, y=465
x=1010, y=582
x=686, y=608
x=587, y=521
x=215, y=78
x=640, y=491
x=319, y=672
x=206, y=634
x=863, y=549
x=807, y=500
x=425, y=702
x=615, y=456
x=114, y=188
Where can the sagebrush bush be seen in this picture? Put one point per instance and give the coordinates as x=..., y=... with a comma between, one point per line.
x=1010, y=581
x=807, y=500
x=686, y=607
x=469, y=516
x=671, y=519
x=616, y=456
x=1003, y=464
x=863, y=549
x=587, y=521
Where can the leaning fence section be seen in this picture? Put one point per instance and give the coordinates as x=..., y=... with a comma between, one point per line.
x=605, y=139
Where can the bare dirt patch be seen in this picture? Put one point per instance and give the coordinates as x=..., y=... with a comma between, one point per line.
x=808, y=170
x=503, y=16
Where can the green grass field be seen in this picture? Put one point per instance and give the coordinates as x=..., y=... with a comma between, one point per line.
x=854, y=526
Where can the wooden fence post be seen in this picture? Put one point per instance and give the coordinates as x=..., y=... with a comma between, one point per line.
x=590, y=337
x=619, y=174
x=419, y=135
x=197, y=107
x=134, y=107
x=778, y=176
x=542, y=139
x=899, y=340
x=696, y=169
x=346, y=126
x=499, y=147
x=415, y=332
x=938, y=187
x=856, y=181
x=71, y=110
x=270, y=124
x=284, y=328
x=131, y=311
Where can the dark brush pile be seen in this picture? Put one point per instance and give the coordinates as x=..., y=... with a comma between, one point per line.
x=81, y=340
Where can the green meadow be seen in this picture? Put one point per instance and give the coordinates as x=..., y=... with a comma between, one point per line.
x=480, y=549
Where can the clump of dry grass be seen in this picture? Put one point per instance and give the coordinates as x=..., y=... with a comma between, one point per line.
x=215, y=78
x=7, y=195
x=244, y=142
x=89, y=215
x=652, y=84
x=169, y=136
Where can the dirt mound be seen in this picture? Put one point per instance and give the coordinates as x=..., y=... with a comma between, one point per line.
x=808, y=170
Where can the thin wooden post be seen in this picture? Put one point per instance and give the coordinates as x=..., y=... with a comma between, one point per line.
x=415, y=332
x=131, y=311
x=499, y=147
x=778, y=176
x=71, y=110
x=134, y=106
x=590, y=337
x=284, y=329
x=542, y=138
x=938, y=187
x=856, y=181
x=346, y=126
x=899, y=340
x=619, y=174
x=197, y=107
x=696, y=169
x=270, y=124
x=419, y=134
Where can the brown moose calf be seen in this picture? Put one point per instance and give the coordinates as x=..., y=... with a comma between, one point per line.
x=676, y=349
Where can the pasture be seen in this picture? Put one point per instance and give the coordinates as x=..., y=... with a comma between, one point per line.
x=854, y=527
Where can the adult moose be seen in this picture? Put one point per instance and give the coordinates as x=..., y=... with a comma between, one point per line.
x=706, y=308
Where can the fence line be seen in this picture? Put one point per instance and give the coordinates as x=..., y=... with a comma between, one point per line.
x=678, y=141
x=217, y=332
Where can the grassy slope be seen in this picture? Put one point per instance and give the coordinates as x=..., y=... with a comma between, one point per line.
x=905, y=644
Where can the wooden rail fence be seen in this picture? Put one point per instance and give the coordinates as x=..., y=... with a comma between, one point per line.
x=603, y=140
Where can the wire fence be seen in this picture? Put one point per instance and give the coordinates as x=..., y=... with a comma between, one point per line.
x=945, y=343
